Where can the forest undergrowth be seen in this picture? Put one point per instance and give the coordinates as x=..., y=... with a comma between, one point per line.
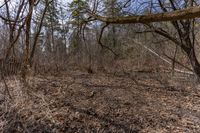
x=76, y=101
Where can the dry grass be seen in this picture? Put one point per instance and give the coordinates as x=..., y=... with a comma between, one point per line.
x=81, y=102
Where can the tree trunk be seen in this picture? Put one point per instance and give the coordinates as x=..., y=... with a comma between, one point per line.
x=194, y=61
x=25, y=66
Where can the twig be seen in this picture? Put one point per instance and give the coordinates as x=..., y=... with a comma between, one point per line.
x=174, y=59
x=101, y=44
x=5, y=84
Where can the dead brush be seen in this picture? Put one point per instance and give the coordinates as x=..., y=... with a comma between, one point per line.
x=26, y=112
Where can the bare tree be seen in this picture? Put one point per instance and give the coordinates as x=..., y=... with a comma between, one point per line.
x=182, y=20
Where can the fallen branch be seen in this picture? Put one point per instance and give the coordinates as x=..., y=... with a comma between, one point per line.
x=165, y=60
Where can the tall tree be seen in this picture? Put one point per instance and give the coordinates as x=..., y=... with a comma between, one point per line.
x=39, y=24
x=51, y=22
x=112, y=10
x=26, y=53
x=77, y=9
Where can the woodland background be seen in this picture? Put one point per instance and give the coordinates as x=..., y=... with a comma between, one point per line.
x=99, y=66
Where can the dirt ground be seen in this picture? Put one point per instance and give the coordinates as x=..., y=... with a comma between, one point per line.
x=78, y=102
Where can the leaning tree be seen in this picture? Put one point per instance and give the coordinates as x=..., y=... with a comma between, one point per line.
x=181, y=16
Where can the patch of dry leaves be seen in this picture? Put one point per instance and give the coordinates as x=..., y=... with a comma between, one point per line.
x=81, y=102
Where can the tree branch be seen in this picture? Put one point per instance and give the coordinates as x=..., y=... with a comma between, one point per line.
x=101, y=44
x=188, y=13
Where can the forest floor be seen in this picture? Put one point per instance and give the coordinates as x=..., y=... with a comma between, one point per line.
x=80, y=102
